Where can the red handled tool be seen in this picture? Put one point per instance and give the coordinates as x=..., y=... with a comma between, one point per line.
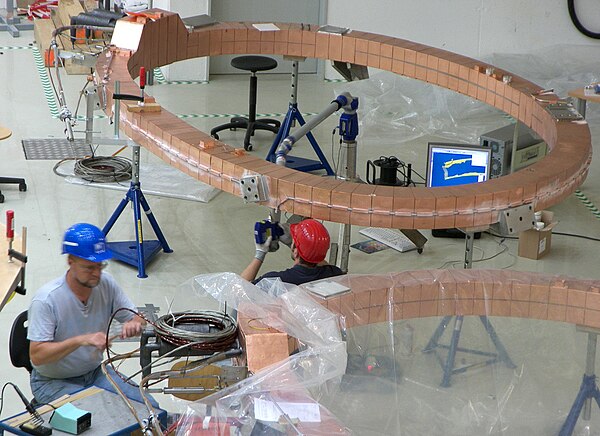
x=142, y=83
x=10, y=229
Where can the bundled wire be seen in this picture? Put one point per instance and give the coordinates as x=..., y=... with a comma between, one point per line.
x=102, y=169
x=171, y=329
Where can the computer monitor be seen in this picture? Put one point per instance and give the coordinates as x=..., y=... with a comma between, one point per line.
x=457, y=164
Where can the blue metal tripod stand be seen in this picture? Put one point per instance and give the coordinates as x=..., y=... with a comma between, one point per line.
x=501, y=354
x=139, y=252
x=588, y=389
x=293, y=115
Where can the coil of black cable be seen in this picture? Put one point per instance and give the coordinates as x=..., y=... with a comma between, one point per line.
x=577, y=23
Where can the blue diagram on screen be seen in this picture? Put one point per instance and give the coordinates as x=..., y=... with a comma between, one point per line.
x=450, y=167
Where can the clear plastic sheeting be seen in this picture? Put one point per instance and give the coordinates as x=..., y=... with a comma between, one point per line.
x=294, y=312
x=516, y=370
x=394, y=109
x=251, y=405
x=160, y=180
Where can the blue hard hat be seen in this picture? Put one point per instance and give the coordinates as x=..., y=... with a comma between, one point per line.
x=86, y=241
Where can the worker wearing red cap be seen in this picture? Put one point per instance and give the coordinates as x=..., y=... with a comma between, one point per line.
x=309, y=245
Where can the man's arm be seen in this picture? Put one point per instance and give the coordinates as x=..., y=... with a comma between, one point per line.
x=42, y=353
x=252, y=269
x=259, y=256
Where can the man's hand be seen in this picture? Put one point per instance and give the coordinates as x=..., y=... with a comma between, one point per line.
x=131, y=328
x=262, y=249
x=97, y=340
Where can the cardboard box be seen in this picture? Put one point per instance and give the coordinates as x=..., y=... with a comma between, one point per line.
x=535, y=244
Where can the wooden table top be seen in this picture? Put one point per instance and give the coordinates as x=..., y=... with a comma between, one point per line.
x=581, y=94
x=10, y=272
x=4, y=133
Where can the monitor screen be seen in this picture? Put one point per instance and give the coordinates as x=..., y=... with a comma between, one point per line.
x=457, y=164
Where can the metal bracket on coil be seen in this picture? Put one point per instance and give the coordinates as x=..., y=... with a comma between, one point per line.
x=253, y=189
x=515, y=220
x=564, y=111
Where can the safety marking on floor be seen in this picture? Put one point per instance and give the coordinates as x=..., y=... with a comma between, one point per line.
x=238, y=115
x=159, y=77
x=17, y=47
x=587, y=203
x=45, y=79
x=95, y=117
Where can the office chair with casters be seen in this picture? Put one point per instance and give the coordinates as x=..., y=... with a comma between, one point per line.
x=252, y=64
x=12, y=181
x=6, y=133
x=18, y=344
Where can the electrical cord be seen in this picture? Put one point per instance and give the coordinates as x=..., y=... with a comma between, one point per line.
x=104, y=169
x=572, y=235
x=28, y=404
x=167, y=328
x=577, y=23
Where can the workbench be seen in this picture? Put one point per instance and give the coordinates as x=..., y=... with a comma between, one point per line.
x=110, y=416
x=583, y=97
x=10, y=272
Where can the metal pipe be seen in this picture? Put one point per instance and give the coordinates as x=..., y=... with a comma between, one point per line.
x=89, y=115
x=117, y=109
x=64, y=114
x=286, y=145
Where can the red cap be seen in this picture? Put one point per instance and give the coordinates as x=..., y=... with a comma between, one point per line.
x=311, y=239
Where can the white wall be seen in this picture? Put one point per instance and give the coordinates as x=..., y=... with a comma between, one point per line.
x=473, y=28
x=191, y=69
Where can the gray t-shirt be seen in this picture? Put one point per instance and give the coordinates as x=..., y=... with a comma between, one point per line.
x=56, y=314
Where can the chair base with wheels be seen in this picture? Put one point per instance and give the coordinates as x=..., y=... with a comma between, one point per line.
x=12, y=181
x=251, y=124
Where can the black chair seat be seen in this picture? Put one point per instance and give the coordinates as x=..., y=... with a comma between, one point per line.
x=251, y=124
x=253, y=63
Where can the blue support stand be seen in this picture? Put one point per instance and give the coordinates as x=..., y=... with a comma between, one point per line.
x=501, y=355
x=293, y=115
x=587, y=391
x=139, y=252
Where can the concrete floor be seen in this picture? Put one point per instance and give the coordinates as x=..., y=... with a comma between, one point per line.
x=217, y=236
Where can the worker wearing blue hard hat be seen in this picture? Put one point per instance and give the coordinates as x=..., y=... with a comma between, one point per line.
x=69, y=318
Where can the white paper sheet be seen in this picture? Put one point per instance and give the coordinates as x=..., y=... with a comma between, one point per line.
x=265, y=410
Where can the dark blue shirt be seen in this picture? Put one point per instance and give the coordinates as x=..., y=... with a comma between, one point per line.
x=300, y=274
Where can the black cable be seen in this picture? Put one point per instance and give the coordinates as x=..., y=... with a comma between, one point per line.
x=577, y=23
x=572, y=235
x=28, y=404
x=2, y=396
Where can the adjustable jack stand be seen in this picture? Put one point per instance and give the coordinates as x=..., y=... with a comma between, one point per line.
x=589, y=388
x=293, y=115
x=139, y=252
x=501, y=354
